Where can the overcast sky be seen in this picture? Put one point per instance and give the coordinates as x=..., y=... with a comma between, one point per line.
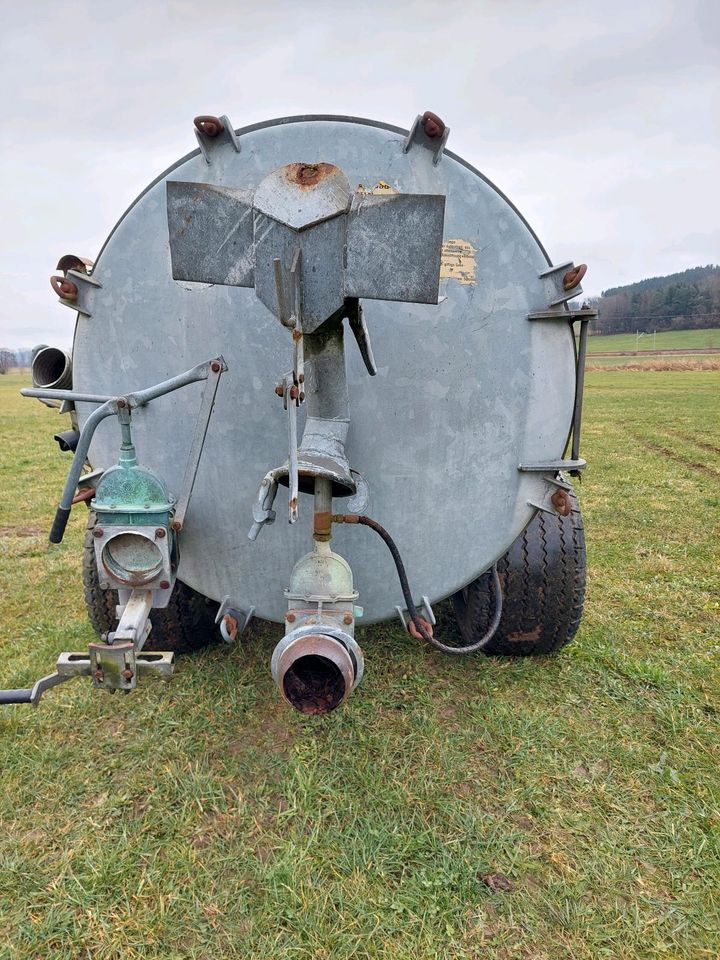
x=600, y=120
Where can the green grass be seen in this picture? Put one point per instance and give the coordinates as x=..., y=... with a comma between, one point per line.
x=203, y=819
x=671, y=340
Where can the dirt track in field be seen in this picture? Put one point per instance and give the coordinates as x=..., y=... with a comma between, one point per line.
x=675, y=456
x=689, y=438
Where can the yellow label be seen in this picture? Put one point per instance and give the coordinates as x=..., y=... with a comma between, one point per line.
x=458, y=261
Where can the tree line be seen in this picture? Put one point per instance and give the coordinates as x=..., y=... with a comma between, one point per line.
x=680, y=301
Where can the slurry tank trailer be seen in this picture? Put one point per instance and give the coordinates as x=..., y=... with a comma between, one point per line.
x=340, y=325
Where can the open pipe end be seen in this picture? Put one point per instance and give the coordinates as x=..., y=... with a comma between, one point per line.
x=52, y=369
x=315, y=674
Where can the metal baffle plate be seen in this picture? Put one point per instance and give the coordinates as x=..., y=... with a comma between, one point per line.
x=466, y=390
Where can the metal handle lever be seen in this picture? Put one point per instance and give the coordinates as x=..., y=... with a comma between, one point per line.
x=109, y=407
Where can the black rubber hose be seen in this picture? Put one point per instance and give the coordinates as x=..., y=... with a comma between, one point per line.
x=410, y=604
x=16, y=696
x=62, y=515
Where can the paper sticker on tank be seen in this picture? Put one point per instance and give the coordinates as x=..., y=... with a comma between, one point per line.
x=458, y=261
x=380, y=189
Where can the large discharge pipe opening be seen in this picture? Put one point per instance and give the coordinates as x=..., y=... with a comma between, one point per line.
x=52, y=369
x=315, y=673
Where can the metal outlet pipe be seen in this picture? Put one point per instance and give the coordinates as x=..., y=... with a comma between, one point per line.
x=52, y=368
x=315, y=672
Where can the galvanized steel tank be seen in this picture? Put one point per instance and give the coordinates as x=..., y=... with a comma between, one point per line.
x=467, y=390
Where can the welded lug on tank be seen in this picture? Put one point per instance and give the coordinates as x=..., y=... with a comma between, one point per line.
x=562, y=283
x=429, y=131
x=232, y=619
x=428, y=620
x=212, y=132
x=555, y=498
x=72, y=287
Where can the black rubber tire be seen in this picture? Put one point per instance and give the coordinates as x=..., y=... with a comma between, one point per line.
x=543, y=577
x=187, y=623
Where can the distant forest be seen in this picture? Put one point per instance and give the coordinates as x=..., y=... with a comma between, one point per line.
x=681, y=301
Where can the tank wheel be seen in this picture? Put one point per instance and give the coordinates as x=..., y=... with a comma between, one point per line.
x=187, y=623
x=543, y=584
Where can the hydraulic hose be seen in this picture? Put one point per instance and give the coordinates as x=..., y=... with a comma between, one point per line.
x=417, y=621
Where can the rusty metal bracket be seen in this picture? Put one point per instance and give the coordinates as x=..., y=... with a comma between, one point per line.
x=555, y=499
x=555, y=277
x=76, y=290
x=429, y=131
x=213, y=132
x=427, y=610
x=233, y=619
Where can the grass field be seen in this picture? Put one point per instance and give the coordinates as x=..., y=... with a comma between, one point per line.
x=671, y=340
x=555, y=809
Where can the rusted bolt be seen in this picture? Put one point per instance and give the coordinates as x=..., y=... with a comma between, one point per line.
x=290, y=617
x=160, y=533
x=301, y=396
x=121, y=403
x=432, y=125
x=99, y=675
x=176, y=525
x=347, y=619
x=561, y=501
x=64, y=288
x=210, y=126
x=573, y=277
x=164, y=584
x=215, y=366
x=127, y=674
x=98, y=532
x=293, y=392
x=280, y=390
x=301, y=378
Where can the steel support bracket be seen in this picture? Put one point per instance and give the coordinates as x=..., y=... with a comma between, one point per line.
x=552, y=466
x=586, y=313
x=226, y=135
x=426, y=609
x=86, y=287
x=554, y=288
x=233, y=619
x=417, y=135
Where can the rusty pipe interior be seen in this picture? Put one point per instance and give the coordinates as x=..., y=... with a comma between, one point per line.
x=315, y=674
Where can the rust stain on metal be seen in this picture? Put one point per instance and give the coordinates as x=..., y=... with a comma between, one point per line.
x=432, y=125
x=573, y=277
x=210, y=126
x=322, y=526
x=308, y=174
x=561, y=501
x=231, y=625
x=415, y=633
x=290, y=617
x=82, y=495
x=457, y=261
x=347, y=619
x=64, y=288
x=176, y=525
